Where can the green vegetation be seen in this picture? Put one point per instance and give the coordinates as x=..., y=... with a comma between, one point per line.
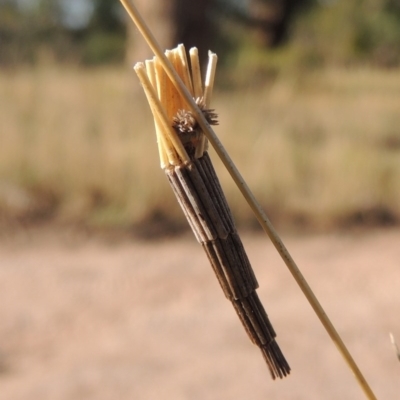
x=350, y=32
x=43, y=33
x=318, y=33
x=326, y=34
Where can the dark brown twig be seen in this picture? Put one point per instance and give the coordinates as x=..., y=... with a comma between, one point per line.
x=200, y=196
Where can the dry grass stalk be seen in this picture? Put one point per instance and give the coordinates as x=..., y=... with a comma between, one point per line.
x=200, y=195
x=264, y=221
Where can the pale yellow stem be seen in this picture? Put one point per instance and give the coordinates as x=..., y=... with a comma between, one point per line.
x=185, y=68
x=164, y=86
x=208, y=89
x=173, y=101
x=159, y=113
x=196, y=72
x=198, y=93
x=151, y=73
x=210, y=77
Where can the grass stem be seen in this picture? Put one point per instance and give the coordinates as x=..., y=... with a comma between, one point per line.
x=248, y=195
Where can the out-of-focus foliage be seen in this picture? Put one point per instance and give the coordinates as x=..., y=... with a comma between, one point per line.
x=43, y=33
x=306, y=33
x=104, y=40
x=350, y=31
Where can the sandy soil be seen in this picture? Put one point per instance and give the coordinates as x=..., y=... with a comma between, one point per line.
x=147, y=320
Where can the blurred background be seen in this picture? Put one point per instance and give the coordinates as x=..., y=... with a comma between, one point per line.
x=308, y=97
x=307, y=93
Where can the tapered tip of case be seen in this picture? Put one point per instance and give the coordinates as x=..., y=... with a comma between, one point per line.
x=277, y=364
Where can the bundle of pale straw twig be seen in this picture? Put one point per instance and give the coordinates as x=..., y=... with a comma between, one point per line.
x=182, y=118
x=182, y=147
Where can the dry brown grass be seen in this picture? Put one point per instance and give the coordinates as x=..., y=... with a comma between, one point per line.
x=325, y=146
x=321, y=149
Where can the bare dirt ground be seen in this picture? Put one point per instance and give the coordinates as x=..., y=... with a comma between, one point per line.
x=84, y=319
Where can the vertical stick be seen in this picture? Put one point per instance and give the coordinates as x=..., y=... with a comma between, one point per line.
x=208, y=88
x=184, y=62
x=151, y=72
x=210, y=77
x=196, y=74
